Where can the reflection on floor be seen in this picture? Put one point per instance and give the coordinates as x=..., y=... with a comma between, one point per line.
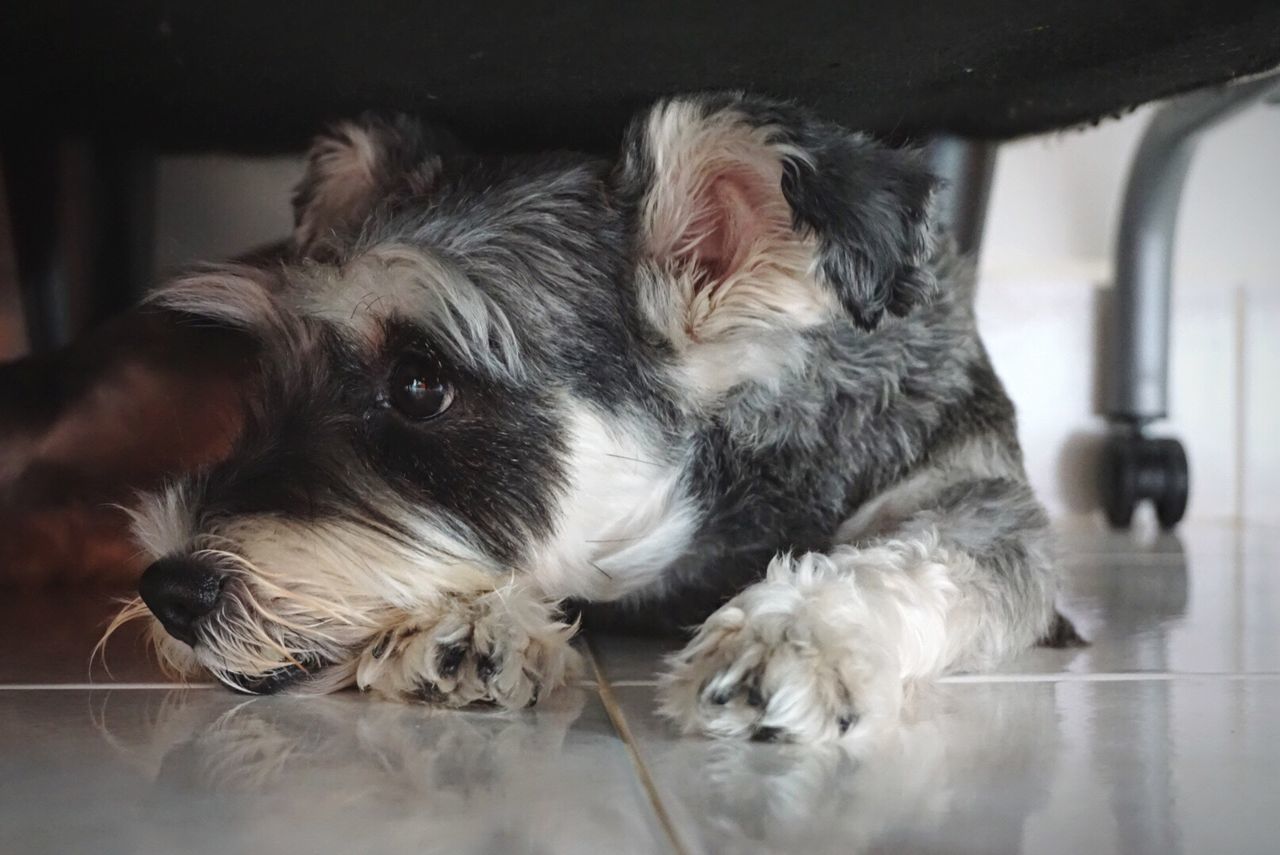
x=1162, y=736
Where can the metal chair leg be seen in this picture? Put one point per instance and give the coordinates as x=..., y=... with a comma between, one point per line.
x=965, y=167
x=1137, y=467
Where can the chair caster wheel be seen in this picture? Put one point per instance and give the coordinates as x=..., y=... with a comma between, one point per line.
x=1135, y=468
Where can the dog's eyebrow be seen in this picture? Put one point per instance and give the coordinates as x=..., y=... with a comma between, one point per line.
x=403, y=282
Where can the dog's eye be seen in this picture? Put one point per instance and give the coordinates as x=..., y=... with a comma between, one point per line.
x=417, y=391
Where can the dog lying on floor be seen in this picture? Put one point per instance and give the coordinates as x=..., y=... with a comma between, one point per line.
x=731, y=373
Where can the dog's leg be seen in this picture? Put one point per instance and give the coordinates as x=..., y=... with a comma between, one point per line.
x=829, y=641
x=505, y=646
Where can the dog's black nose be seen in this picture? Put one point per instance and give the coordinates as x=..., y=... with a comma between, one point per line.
x=179, y=591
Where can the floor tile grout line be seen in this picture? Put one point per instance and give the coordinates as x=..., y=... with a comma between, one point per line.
x=614, y=710
x=1089, y=560
x=1059, y=677
x=152, y=687
x=93, y=687
x=955, y=679
x=1110, y=677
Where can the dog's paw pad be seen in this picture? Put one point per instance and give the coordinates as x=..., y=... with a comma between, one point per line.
x=452, y=658
x=478, y=650
x=774, y=675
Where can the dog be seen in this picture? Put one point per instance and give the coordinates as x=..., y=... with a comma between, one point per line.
x=731, y=376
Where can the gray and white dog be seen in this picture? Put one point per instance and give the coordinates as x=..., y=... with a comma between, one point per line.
x=729, y=374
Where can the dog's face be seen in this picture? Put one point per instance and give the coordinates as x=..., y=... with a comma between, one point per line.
x=480, y=367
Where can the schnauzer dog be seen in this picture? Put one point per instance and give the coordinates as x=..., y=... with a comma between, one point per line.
x=730, y=376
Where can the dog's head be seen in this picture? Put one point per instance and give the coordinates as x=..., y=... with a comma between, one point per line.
x=481, y=367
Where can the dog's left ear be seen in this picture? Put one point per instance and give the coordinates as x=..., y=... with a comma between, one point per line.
x=765, y=214
x=355, y=165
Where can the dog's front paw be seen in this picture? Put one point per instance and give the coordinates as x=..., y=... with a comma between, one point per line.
x=504, y=647
x=779, y=662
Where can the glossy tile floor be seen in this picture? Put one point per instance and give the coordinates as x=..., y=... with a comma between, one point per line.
x=1163, y=737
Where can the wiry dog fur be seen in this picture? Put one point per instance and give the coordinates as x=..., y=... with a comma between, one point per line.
x=730, y=372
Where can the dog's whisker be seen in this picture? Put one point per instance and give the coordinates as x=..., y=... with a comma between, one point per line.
x=131, y=610
x=273, y=616
x=301, y=598
x=632, y=459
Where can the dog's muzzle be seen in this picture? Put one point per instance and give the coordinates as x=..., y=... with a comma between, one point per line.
x=180, y=591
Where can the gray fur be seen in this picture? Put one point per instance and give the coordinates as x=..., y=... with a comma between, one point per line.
x=892, y=390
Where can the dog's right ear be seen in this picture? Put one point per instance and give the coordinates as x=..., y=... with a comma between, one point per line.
x=354, y=165
x=760, y=215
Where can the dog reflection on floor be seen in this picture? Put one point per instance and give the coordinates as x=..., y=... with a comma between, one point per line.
x=553, y=781
x=424, y=782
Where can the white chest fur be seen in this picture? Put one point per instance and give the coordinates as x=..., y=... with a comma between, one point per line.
x=623, y=518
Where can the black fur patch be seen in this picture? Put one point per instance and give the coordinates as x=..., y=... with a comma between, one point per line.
x=322, y=443
x=493, y=459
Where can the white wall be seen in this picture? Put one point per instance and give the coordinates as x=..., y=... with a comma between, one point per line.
x=1045, y=267
x=212, y=207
